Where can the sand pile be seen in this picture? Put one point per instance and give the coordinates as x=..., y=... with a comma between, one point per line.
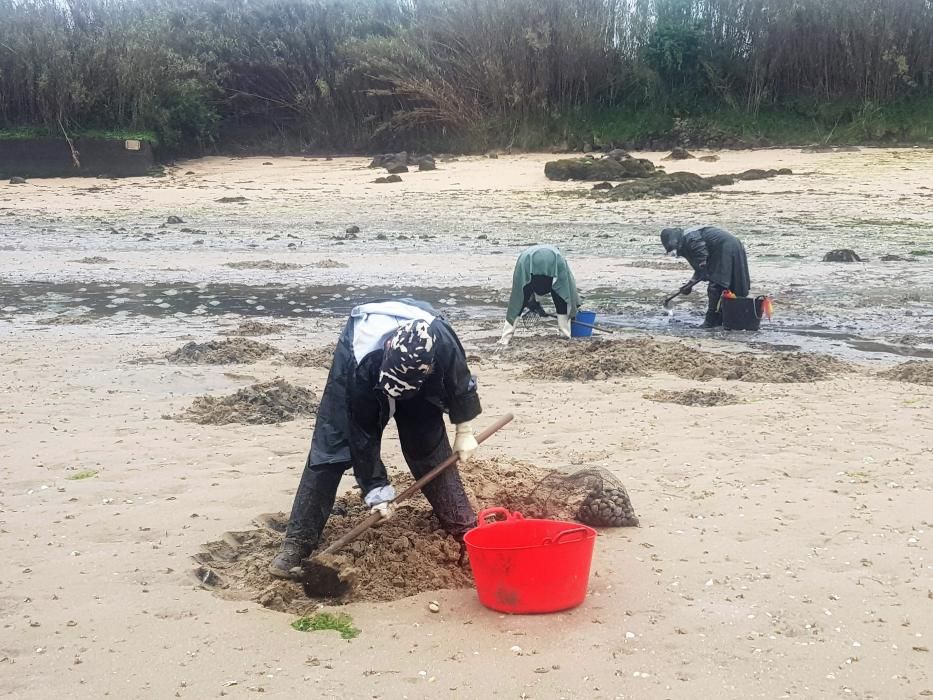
x=263, y=265
x=93, y=260
x=914, y=371
x=259, y=404
x=402, y=557
x=222, y=352
x=659, y=265
x=694, y=397
x=255, y=328
x=66, y=320
x=312, y=357
x=600, y=360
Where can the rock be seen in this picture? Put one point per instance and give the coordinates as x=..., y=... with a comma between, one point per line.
x=434, y=606
x=377, y=161
x=492, y=155
x=842, y=255
x=382, y=237
x=174, y=220
x=664, y=185
x=896, y=258
x=389, y=178
x=602, y=186
x=230, y=200
x=587, y=147
x=190, y=172
x=598, y=169
x=395, y=162
x=618, y=154
x=17, y=181
x=267, y=163
x=848, y=149
x=709, y=159
x=817, y=148
x=679, y=154
x=353, y=229
x=427, y=163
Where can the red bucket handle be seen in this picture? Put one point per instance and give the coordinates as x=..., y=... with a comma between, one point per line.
x=485, y=514
x=567, y=533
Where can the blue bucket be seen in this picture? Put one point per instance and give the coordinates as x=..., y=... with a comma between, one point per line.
x=578, y=331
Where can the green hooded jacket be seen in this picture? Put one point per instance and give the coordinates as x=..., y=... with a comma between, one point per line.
x=548, y=261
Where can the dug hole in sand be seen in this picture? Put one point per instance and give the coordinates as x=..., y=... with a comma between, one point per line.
x=410, y=553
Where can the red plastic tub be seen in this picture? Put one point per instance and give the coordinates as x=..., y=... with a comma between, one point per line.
x=529, y=566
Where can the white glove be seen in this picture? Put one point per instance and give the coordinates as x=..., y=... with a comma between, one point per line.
x=563, y=325
x=507, y=331
x=386, y=510
x=464, y=442
x=378, y=495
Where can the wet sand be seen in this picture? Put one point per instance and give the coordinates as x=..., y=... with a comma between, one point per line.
x=784, y=541
x=451, y=236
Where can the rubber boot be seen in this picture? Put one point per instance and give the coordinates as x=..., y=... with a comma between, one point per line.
x=313, y=503
x=713, y=317
x=290, y=556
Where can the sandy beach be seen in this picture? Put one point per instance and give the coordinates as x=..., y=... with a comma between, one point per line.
x=784, y=541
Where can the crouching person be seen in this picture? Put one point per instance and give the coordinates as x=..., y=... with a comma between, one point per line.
x=541, y=270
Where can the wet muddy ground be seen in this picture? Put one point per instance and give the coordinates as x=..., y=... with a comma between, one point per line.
x=105, y=249
x=782, y=493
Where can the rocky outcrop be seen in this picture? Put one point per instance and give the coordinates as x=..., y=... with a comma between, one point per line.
x=842, y=255
x=679, y=154
x=590, y=169
x=666, y=185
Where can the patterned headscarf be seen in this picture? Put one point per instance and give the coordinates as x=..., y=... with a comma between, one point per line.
x=408, y=360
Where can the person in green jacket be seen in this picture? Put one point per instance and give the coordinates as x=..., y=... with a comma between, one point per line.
x=539, y=270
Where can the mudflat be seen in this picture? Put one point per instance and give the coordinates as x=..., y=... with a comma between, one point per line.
x=781, y=480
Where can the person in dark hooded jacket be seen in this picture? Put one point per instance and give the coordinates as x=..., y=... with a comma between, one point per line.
x=394, y=359
x=717, y=257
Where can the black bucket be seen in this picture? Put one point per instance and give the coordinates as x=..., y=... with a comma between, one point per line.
x=741, y=313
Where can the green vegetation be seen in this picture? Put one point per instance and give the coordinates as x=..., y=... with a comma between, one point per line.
x=24, y=133
x=353, y=75
x=921, y=253
x=326, y=621
x=85, y=474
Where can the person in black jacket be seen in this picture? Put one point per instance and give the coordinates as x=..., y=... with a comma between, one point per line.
x=717, y=257
x=394, y=359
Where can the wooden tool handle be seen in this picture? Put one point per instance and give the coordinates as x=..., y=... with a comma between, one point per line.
x=373, y=518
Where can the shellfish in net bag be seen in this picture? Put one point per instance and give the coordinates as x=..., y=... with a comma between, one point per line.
x=592, y=496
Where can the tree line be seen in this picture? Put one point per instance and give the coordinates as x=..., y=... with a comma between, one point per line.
x=369, y=74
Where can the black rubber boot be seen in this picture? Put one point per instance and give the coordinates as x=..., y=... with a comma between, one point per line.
x=713, y=317
x=289, y=556
x=313, y=503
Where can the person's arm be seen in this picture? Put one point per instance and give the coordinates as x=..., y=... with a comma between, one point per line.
x=368, y=417
x=460, y=388
x=517, y=297
x=694, y=249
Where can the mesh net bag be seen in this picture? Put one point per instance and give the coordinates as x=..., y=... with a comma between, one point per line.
x=593, y=496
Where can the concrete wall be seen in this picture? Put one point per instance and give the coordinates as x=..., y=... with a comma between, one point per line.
x=52, y=158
